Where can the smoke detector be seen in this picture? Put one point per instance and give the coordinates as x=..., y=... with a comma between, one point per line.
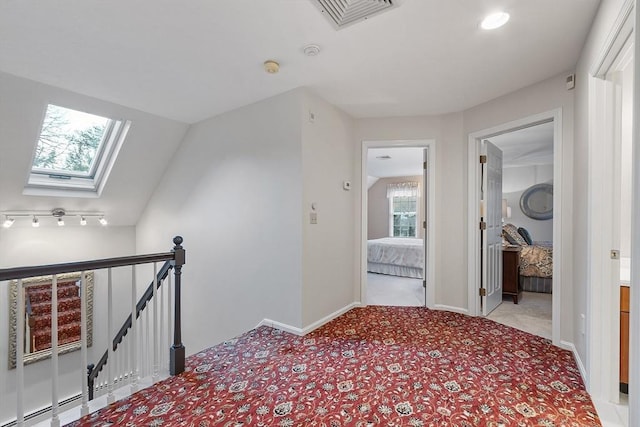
x=311, y=50
x=342, y=13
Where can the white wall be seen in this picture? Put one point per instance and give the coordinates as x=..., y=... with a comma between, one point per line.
x=538, y=98
x=328, y=256
x=515, y=181
x=234, y=192
x=145, y=154
x=22, y=246
x=450, y=184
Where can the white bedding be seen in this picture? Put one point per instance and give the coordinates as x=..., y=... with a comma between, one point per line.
x=400, y=256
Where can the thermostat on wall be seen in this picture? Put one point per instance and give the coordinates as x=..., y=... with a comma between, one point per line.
x=346, y=185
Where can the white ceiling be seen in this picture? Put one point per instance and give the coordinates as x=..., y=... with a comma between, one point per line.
x=526, y=147
x=403, y=161
x=189, y=60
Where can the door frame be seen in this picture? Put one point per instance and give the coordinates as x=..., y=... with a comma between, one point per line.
x=473, y=206
x=430, y=232
x=603, y=296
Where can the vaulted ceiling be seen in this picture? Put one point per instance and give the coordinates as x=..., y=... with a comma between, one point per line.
x=190, y=60
x=166, y=63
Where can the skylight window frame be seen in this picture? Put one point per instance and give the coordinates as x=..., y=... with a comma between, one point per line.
x=94, y=164
x=46, y=182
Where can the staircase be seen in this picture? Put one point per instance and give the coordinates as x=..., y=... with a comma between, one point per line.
x=39, y=314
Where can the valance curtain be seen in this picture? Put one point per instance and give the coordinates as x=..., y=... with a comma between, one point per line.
x=403, y=189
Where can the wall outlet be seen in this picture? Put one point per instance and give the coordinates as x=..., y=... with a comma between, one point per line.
x=313, y=218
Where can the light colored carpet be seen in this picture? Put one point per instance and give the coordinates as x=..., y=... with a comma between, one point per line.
x=532, y=313
x=383, y=289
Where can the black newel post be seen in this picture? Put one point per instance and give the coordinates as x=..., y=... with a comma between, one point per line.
x=90, y=380
x=176, y=353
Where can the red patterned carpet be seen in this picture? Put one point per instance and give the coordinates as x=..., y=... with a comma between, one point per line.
x=387, y=366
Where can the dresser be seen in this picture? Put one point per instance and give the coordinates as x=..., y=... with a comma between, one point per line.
x=511, y=272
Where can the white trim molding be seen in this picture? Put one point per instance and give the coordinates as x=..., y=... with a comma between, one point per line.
x=451, y=308
x=429, y=216
x=309, y=328
x=473, y=206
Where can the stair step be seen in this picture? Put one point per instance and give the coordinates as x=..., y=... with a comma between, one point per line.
x=64, y=304
x=44, y=320
x=66, y=334
x=42, y=293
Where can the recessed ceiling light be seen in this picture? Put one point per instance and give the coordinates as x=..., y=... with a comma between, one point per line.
x=495, y=20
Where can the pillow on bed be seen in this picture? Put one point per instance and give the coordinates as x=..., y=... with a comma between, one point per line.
x=525, y=235
x=510, y=231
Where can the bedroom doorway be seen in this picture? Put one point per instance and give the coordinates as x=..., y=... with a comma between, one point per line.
x=527, y=178
x=397, y=227
x=532, y=150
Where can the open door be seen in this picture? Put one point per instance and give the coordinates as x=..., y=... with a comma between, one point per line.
x=491, y=226
x=425, y=206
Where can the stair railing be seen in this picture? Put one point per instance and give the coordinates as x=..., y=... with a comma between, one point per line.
x=93, y=370
x=173, y=260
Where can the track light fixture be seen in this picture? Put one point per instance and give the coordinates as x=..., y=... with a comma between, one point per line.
x=8, y=222
x=57, y=214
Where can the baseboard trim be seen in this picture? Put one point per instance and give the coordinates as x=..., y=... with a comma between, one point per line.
x=450, y=308
x=572, y=348
x=315, y=325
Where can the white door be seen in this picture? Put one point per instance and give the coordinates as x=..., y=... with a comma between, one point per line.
x=425, y=206
x=491, y=236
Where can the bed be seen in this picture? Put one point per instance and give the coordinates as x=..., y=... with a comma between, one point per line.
x=536, y=260
x=397, y=256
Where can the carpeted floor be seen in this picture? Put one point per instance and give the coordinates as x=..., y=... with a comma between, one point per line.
x=387, y=366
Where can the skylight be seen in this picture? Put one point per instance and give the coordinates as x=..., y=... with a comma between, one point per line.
x=75, y=151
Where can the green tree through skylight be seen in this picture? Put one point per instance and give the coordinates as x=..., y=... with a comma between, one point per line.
x=69, y=140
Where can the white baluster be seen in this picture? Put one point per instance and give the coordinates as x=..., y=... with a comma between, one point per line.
x=134, y=347
x=110, y=356
x=147, y=362
x=156, y=363
x=20, y=320
x=55, y=420
x=162, y=336
x=84, y=409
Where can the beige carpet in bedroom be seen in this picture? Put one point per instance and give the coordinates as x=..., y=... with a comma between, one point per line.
x=532, y=313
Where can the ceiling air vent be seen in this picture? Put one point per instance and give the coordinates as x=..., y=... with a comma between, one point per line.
x=342, y=13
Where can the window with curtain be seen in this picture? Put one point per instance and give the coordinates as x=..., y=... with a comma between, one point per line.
x=403, y=209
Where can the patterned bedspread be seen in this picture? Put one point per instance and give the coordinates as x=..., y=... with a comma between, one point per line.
x=396, y=251
x=536, y=261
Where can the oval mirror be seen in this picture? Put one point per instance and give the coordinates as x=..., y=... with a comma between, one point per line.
x=537, y=201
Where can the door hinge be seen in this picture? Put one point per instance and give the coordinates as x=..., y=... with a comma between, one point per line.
x=483, y=292
x=483, y=158
x=424, y=165
x=424, y=224
x=424, y=284
x=483, y=225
